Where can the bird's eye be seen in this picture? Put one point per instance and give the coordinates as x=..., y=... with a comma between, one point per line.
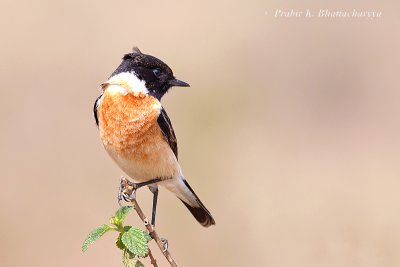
x=157, y=72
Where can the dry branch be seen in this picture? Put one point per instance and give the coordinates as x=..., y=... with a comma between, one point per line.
x=128, y=190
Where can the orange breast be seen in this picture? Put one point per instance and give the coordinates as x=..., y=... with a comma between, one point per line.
x=131, y=135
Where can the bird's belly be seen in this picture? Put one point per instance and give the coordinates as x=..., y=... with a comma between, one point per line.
x=147, y=161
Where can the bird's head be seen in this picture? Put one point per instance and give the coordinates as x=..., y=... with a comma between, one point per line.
x=149, y=71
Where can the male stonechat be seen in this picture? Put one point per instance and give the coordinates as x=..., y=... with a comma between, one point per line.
x=137, y=132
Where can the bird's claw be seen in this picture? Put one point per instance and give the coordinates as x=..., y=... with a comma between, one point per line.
x=165, y=244
x=126, y=191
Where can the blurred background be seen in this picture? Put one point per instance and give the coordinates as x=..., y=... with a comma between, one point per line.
x=289, y=132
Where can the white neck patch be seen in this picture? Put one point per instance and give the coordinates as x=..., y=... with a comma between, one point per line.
x=126, y=82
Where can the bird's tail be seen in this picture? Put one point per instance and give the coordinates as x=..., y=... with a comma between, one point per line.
x=185, y=193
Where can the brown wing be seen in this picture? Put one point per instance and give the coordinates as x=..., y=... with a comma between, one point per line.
x=168, y=131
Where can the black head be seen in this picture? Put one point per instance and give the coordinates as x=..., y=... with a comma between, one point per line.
x=157, y=76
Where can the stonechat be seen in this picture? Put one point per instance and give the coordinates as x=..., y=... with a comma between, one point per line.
x=137, y=132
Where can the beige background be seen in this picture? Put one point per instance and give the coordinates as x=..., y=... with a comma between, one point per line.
x=289, y=133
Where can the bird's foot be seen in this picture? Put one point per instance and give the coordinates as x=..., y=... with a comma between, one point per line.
x=165, y=244
x=164, y=241
x=126, y=191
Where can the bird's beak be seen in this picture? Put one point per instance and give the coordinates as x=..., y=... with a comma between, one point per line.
x=176, y=82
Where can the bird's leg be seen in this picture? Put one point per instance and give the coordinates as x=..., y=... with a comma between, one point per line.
x=154, y=190
x=127, y=189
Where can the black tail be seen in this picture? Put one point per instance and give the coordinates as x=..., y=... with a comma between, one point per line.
x=202, y=215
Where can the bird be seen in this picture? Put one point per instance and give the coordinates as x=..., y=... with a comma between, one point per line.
x=137, y=133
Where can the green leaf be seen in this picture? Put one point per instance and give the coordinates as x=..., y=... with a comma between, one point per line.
x=122, y=212
x=148, y=237
x=139, y=264
x=135, y=240
x=129, y=260
x=120, y=216
x=119, y=243
x=94, y=235
x=126, y=228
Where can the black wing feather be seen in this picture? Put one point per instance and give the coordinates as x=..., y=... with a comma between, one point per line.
x=168, y=131
x=96, y=105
